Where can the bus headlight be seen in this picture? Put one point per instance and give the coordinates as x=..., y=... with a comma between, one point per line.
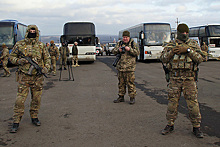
x=147, y=52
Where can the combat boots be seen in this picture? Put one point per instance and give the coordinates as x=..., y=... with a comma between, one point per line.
x=35, y=121
x=197, y=132
x=14, y=128
x=167, y=129
x=132, y=100
x=119, y=99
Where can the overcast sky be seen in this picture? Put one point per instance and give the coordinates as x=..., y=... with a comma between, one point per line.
x=109, y=16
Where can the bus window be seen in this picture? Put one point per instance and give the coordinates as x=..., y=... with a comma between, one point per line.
x=214, y=42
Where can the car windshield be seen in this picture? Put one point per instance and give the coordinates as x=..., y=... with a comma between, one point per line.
x=111, y=45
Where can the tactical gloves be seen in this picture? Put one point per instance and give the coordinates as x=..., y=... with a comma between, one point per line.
x=180, y=50
x=22, y=61
x=44, y=70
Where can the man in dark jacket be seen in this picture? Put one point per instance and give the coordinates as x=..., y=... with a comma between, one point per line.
x=75, y=55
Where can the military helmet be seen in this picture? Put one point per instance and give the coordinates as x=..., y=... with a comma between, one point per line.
x=126, y=33
x=183, y=28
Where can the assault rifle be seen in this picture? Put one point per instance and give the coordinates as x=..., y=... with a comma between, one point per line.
x=34, y=65
x=166, y=70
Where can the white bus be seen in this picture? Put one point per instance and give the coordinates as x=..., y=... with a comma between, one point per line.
x=150, y=37
x=210, y=34
x=84, y=34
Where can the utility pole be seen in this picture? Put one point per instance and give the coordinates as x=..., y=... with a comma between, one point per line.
x=177, y=22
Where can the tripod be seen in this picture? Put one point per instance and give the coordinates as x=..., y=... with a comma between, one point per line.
x=70, y=69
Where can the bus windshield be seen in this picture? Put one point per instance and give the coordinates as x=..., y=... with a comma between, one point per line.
x=82, y=40
x=156, y=34
x=6, y=34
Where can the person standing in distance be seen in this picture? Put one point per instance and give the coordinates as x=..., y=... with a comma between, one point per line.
x=54, y=53
x=126, y=67
x=205, y=48
x=4, y=58
x=182, y=57
x=36, y=50
x=75, y=54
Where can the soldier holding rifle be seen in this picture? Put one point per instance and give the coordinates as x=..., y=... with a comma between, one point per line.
x=33, y=62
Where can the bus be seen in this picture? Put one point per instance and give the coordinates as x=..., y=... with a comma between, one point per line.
x=84, y=34
x=11, y=31
x=210, y=34
x=150, y=38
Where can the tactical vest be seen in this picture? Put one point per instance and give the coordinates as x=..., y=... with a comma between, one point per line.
x=182, y=65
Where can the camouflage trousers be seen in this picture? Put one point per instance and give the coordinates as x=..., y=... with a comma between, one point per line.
x=63, y=61
x=75, y=60
x=4, y=65
x=126, y=79
x=53, y=63
x=26, y=83
x=189, y=89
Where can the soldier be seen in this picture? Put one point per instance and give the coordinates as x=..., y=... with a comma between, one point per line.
x=4, y=58
x=47, y=45
x=126, y=67
x=182, y=57
x=54, y=54
x=36, y=50
x=204, y=48
x=64, y=53
x=75, y=54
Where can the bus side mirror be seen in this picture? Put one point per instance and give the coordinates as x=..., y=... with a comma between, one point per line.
x=141, y=35
x=173, y=35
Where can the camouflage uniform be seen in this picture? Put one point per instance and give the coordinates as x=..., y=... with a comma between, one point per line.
x=183, y=69
x=4, y=58
x=54, y=54
x=75, y=55
x=35, y=49
x=64, y=51
x=126, y=68
x=205, y=48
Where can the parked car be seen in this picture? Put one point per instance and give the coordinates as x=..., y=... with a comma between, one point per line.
x=99, y=50
x=109, y=47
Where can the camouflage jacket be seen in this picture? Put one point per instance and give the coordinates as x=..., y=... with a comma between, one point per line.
x=204, y=48
x=32, y=48
x=187, y=62
x=128, y=59
x=64, y=50
x=53, y=50
x=5, y=54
